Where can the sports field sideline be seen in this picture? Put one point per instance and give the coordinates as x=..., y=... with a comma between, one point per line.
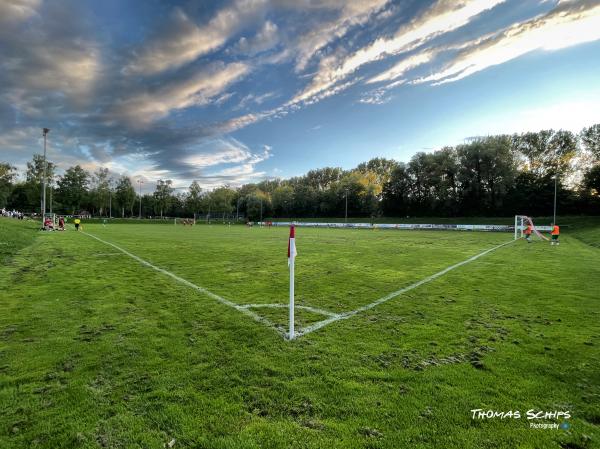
x=97, y=349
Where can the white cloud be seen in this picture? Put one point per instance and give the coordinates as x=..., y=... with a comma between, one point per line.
x=266, y=38
x=183, y=41
x=239, y=160
x=443, y=17
x=403, y=66
x=228, y=151
x=15, y=11
x=196, y=90
x=351, y=13
x=572, y=22
x=223, y=98
x=255, y=99
x=375, y=97
x=72, y=70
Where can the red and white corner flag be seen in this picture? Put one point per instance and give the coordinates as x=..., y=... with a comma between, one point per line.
x=291, y=258
x=292, y=246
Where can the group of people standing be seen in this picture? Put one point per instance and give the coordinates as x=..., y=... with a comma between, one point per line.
x=12, y=214
x=554, y=234
x=49, y=224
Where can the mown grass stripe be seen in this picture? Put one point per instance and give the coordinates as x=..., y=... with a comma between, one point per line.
x=187, y=283
x=346, y=315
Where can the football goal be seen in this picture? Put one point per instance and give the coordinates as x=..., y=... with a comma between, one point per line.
x=49, y=222
x=184, y=221
x=521, y=223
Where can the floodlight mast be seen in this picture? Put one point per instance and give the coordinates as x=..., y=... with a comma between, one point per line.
x=140, y=182
x=555, y=191
x=45, y=132
x=346, y=212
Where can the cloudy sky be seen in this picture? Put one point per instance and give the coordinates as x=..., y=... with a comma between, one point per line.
x=242, y=90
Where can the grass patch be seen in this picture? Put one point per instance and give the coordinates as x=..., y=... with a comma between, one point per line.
x=97, y=350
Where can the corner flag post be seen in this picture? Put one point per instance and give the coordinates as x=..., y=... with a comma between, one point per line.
x=291, y=258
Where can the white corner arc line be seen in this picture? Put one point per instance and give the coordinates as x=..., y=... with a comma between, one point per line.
x=346, y=315
x=183, y=281
x=278, y=306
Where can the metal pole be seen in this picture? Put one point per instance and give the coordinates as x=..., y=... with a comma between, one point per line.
x=555, y=185
x=346, y=214
x=140, y=182
x=45, y=132
x=110, y=203
x=237, y=211
x=291, y=333
x=555, y=190
x=51, y=190
x=261, y=210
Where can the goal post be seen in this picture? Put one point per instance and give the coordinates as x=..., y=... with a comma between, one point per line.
x=52, y=217
x=522, y=221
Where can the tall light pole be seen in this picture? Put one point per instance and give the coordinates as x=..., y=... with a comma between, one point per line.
x=45, y=132
x=555, y=191
x=140, y=182
x=346, y=213
x=261, y=210
x=555, y=186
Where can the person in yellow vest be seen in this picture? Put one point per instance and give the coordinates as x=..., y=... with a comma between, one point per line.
x=555, y=234
x=77, y=222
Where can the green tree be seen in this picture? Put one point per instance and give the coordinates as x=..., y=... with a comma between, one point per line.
x=323, y=178
x=72, y=188
x=193, y=201
x=591, y=181
x=7, y=175
x=125, y=195
x=221, y=200
x=101, y=190
x=162, y=195
x=257, y=204
x=34, y=176
x=396, y=192
x=546, y=152
x=590, y=138
x=563, y=148
x=382, y=168
x=19, y=197
x=282, y=201
x=487, y=170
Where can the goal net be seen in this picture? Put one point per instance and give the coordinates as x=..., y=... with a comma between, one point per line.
x=521, y=223
x=184, y=221
x=49, y=222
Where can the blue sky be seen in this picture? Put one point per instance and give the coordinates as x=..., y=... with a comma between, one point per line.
x=238, y=91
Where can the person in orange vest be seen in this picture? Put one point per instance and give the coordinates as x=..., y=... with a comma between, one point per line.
x=527, y=233
x=555, y=234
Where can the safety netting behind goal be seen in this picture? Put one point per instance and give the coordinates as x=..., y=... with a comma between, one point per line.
x=521, y=224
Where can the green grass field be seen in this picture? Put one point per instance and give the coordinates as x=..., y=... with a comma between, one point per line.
x=100, y=351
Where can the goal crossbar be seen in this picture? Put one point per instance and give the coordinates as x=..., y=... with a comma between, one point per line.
x=521, y=223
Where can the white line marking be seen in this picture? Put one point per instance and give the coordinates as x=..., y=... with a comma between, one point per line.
x=346, y=315
x=208, y=293
x=333, y=317
x=277, y=306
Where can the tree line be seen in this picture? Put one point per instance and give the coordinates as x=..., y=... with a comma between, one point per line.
x=493, y=176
